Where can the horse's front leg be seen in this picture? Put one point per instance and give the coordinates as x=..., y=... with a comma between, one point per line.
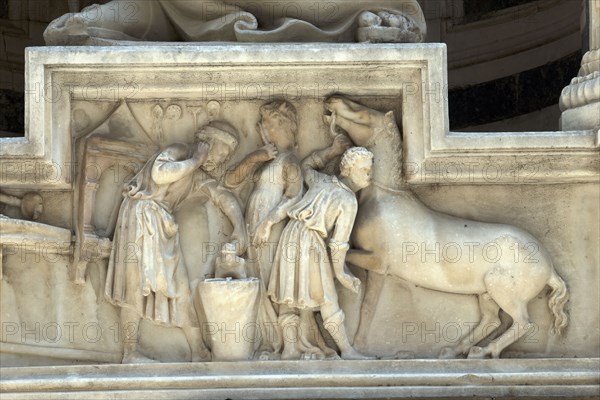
x=375, y=279
x=373, y=288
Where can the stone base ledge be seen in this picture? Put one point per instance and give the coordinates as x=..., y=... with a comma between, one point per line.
x=426, y=379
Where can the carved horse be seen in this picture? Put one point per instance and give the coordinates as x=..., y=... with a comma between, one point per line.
x=393, y=228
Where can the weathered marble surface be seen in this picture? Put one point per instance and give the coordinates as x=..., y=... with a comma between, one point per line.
x=99, y=126
x=420, y=379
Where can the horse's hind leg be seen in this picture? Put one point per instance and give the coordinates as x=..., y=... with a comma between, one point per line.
x=489, y=323
x=512, y=286
x=521, y=324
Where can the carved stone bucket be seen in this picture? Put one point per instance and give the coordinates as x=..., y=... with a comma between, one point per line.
x=231, y=308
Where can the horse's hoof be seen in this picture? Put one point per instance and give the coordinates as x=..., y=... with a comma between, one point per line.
x=352, y=354
x=476, y=352
x=447, y=353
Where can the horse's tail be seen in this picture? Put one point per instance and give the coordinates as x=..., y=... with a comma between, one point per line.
x=558, y=298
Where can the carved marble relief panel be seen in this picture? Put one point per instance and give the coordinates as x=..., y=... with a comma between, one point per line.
x=283, y=202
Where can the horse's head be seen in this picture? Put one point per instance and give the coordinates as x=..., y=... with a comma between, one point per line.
x=335, y=102
x=375, y=130
x=350, y=109
x=361, y=123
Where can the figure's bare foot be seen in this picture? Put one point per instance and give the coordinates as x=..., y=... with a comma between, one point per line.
x=290, y=352
x=312, y=356
x=136, y=357
x=387, y=27
x=367, y=18
x=394, y=20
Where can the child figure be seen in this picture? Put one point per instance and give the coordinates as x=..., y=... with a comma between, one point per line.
x=313, y=245
x=277, y=186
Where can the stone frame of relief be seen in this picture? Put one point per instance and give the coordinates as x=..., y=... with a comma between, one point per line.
x=543, y=182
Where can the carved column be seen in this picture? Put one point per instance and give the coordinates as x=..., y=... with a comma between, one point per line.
x=85, y=231
x=594, y=6
x=580, y=101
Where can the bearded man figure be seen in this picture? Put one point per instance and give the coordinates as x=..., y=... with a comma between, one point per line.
x=147, y=276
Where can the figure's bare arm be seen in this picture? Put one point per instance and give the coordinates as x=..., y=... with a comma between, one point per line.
x=279, y=213
x=318, y=159
x=228, y=204
x=293, y=191
x=238, y=173
x=166, y=171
